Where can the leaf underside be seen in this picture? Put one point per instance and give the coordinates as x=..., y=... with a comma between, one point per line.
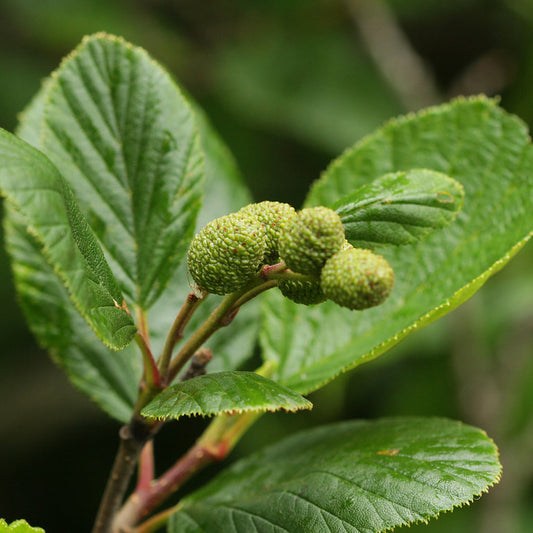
x=355, y=477
x=471, y=140
x=399, y=208
x=224, y=392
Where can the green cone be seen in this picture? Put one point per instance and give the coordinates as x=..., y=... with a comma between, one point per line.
x=357, y=279
x=273, y=216
x=311, y=237
x=302, y=292
x=227, y=253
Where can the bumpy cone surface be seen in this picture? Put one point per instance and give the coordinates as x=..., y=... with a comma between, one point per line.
x=357, y=279
x=302, y=292
x=227, y=253
x=273, y=216
x=311, y=237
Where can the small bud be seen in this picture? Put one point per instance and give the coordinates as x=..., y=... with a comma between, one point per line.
x=302, y=292
x=311, y=237
x=357, y=279
x=273, y=216
x=227, y=253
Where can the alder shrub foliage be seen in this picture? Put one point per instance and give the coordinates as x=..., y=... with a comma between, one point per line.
x=144, y=269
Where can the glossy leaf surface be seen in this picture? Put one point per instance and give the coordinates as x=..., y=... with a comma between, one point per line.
x=224, y=392
x=353, y=477
x=473, y=141
x=36, y=189
x=399, y=208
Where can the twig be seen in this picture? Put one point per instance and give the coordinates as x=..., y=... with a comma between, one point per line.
x=142, y=325
x=198, y=363
x=268, y=278
x=216, y=320
x=132, y=439
x=256, y=291
x=151, y=372
x=215, y=444
x=176, y=331
x=143, y=502
x=146, y=466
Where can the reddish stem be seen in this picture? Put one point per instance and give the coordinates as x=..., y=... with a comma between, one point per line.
x=146, y=467
x=217, y=319
x=176, y=331
x=152, y=377
x=143, y=502
x=132, y=439
x=214, y=445
x=268, y=270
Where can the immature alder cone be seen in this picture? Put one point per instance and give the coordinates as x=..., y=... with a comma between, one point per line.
x=227, y=253
x=357, y=279
x=302, y=292
x=272, y=216
x=311, y=237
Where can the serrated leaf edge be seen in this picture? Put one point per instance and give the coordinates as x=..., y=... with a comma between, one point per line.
x=308, y=406
x=444, y=308
x=457, y=201
x=50, y=83
x=66, y=193
x=182, y=506
x=338, y=161
x=467, y=503
x=305, y=405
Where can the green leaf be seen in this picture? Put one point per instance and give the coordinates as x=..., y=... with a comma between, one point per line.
x=399, y=208
x=224, y=392
x=111, y=379
x=225, y=192
x=355, y=476
x=19, y=526
x=35, y=188
x=116, y=124
x=473, y=141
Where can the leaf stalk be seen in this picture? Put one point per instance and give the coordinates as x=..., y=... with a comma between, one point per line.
x=176, y=331
x=212, y=324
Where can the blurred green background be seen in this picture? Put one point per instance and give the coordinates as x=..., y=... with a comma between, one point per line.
x=289, y=85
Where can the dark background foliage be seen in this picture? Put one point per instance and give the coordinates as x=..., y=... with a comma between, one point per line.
x=289, y=85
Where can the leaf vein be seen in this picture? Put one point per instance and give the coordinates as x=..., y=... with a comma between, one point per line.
x=87, y=175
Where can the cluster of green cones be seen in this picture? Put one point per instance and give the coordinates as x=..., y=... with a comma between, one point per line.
x=314, y=260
